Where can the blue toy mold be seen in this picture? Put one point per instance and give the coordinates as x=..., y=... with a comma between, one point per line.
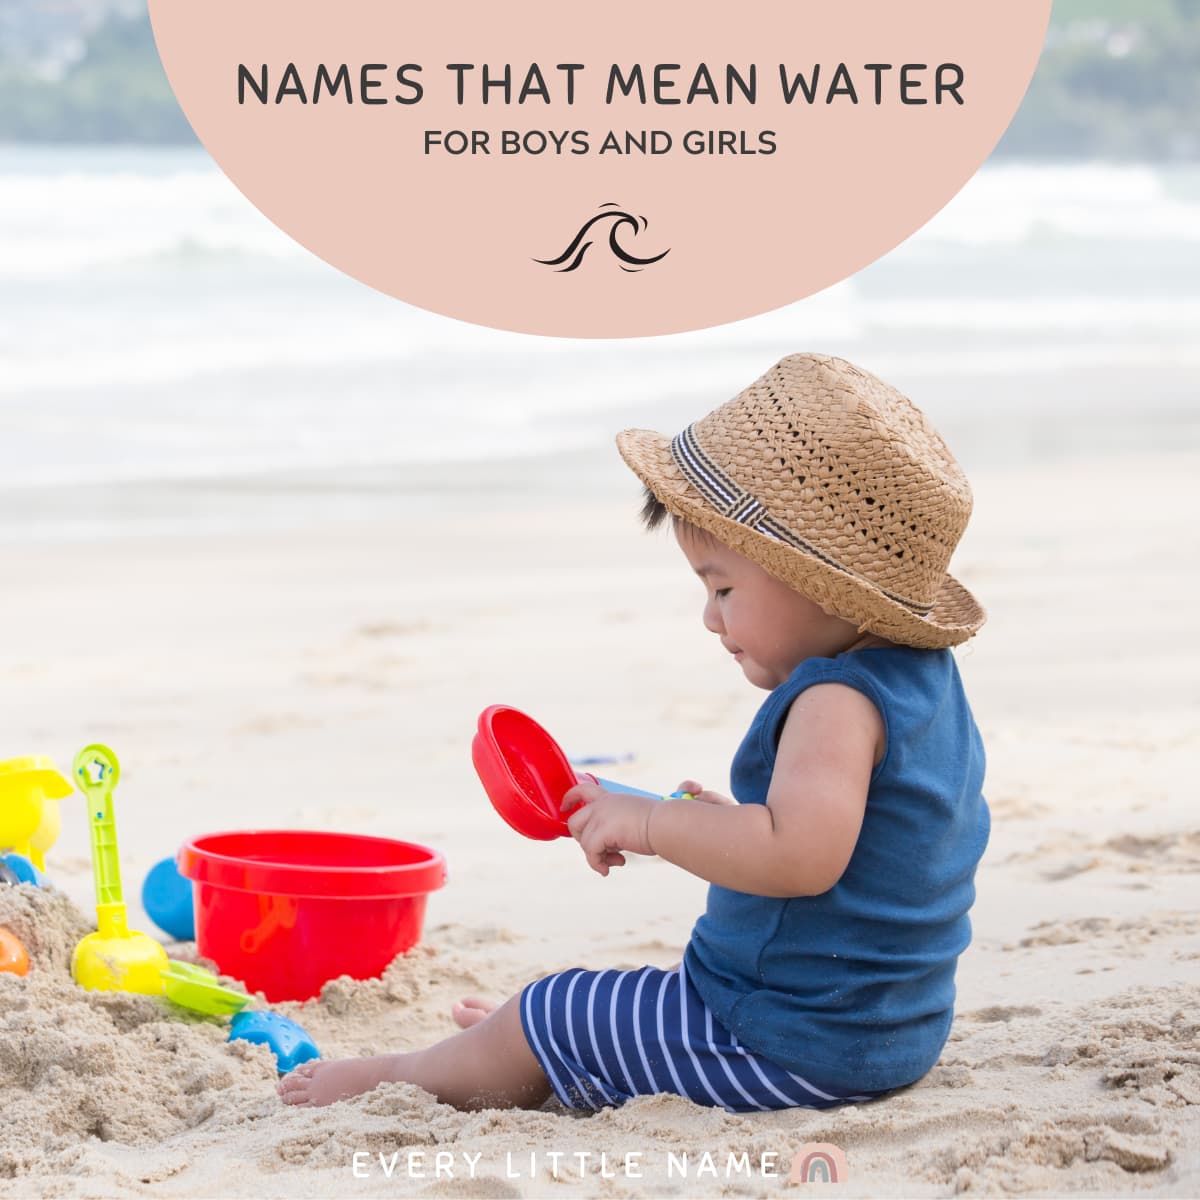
x=23, y=869
x=288, y=1041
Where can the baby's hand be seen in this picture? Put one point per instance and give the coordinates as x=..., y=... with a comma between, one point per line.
x=607, y=823
x=697, y=792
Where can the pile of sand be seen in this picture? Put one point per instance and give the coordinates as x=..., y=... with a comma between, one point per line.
x=118, y=1094
x=229, y=670
x=76, y=1065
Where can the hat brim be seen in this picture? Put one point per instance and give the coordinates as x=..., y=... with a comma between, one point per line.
x=956, y=614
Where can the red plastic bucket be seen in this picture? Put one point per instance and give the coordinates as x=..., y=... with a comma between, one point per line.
x=287, y=910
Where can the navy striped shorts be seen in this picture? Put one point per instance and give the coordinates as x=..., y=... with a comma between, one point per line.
x=603, y=1037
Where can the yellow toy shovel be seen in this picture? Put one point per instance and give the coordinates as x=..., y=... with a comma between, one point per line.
x=115, y=958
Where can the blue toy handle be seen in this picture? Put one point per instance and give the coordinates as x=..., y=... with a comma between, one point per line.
x=609, y=786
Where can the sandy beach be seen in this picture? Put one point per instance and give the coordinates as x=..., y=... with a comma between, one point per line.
x=331, y=678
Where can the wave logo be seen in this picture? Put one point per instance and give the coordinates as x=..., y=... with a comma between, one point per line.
x=818, y=1162
x=573, y=254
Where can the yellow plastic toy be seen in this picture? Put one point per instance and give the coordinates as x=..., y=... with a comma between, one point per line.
x=30, y=789
x=115, y=958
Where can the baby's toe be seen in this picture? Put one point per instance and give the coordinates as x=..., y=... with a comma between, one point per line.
x=470, y=1010
x=294, y=1087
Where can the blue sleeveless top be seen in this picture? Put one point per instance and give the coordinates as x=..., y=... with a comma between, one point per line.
x=854, y=988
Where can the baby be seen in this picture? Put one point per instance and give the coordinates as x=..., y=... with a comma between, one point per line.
x=819, y=509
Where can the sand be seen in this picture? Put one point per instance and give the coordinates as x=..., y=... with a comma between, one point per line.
x=331, y=678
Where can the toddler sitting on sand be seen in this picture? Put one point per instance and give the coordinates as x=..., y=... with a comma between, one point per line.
x=820, y=510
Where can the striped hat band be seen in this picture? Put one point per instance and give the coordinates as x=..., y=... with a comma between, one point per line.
x=734, y=503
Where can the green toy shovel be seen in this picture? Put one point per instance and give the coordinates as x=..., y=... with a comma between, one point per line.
x=197, y=988
x=115, y=958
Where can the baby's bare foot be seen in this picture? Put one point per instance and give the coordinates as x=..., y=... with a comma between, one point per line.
x=313, y=1084
x=470, y=1010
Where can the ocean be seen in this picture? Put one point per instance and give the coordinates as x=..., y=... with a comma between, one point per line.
x=170, y=362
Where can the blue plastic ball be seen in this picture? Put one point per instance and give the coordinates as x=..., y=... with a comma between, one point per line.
x=167, y=899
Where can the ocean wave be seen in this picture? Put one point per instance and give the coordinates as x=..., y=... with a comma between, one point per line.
x=142, y=454
x=59, y=224
x=141, y=435
x=157, y=327
x=1060, y=316
x=398, y=350
x=160, y=210
x=1014, y=204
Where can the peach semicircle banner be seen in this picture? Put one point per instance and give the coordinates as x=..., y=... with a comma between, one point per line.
x=613, y=170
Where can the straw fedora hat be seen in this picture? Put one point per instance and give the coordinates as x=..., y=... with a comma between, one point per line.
x=834, y=483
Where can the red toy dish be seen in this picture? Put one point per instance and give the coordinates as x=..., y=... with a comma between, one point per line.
x=524, y=772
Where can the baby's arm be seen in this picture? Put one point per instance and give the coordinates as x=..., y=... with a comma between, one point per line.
x=797, y=844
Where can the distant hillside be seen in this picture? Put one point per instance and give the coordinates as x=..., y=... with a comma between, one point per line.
x=117, y=92
x=1119, y=79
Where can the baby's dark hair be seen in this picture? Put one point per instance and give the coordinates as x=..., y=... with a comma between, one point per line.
x=654, y=511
